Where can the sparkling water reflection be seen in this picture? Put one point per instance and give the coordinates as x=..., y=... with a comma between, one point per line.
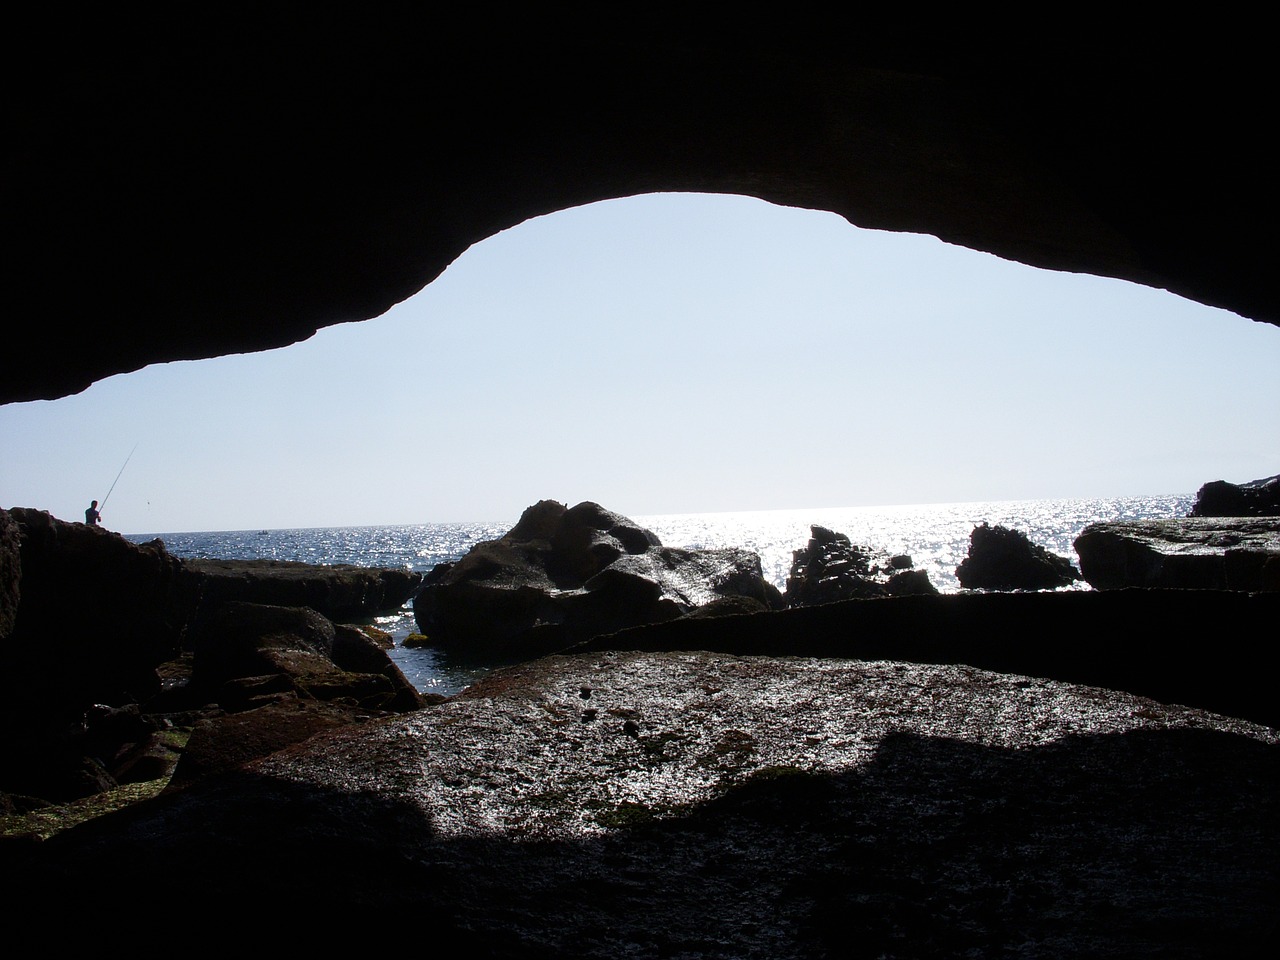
x=935, y=536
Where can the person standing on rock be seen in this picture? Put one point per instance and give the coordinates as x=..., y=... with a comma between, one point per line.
x=91, y=515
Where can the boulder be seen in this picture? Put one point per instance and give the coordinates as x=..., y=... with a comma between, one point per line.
x=1214, y=553
x=1004, y=559
x=830, y=568
x=1258, y=498
x=563, y=574
x=244, y=652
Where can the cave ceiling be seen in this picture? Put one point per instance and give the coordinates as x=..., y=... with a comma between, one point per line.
x=234, y=187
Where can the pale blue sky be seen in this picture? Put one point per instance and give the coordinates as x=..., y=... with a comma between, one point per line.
x=675, y=354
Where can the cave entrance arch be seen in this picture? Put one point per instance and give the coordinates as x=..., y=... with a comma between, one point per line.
x=732, y=354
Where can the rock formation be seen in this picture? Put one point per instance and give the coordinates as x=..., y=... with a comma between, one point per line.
x=830, y=567
x=1147, y=642
x=1210, y=553
x=245, y=649
x=339, y=591
x=1004, y=559
x=10, y=572
x=783, y=783
x=95, y=615
x=108, y=645
x=270, y=194
x=710, y=807
x=1258, y=498
x=564, y=574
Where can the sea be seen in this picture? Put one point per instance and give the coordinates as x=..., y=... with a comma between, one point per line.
x=935, y=536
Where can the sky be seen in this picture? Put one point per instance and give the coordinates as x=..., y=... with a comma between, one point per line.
x=676, y=353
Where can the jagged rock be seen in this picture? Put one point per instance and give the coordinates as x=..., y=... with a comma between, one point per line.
x=563, y=574
x=909, y=583
x=830, y=568
x=1004, y=559
x=1215, y=553
x=1258, y=498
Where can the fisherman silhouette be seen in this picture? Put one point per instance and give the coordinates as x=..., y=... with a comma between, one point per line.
x=91, y=515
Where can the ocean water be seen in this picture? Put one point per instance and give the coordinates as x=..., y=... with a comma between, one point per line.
x=935, y=536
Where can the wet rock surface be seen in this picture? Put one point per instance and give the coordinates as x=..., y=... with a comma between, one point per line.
x=707, y=805
x=916, y=776
x=1213, y=553
x=1170, y=645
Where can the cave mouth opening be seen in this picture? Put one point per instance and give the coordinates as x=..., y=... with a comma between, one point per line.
x=674, y=353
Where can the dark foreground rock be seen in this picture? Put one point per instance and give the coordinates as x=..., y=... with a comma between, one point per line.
x=109, y=650
x=87, y=616
x=1202, y=648
x=1004, y=559
x=95, y=615
x=563, y=574
x=1258, y=498
x=706, y=805
x=830, y=567
x=241, y=650
x=1212, y=553
x=10, y=571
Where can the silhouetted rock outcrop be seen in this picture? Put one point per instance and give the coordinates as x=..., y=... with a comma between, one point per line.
x=1213, y=553
x=830, y=568
x=563, y=574
x=96, y=630
x=96, y=615
x=1258, y=498
x=1004, y=559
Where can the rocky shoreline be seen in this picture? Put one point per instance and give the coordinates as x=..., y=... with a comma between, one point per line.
x=707, y=805
x=1047, y=773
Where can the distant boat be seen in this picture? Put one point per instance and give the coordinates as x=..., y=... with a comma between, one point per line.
x=263, y=533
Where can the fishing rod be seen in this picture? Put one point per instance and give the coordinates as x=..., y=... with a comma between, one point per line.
x=113, y=482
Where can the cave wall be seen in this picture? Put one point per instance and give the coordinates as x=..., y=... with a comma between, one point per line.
x=186, y=189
